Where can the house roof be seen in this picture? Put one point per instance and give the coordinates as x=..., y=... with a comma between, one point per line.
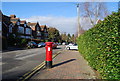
x=14, y=22
x=13, y=16
x=32, y=25
x=14, y=19
x=43, y=27
x=22, y=22
x=33, y=28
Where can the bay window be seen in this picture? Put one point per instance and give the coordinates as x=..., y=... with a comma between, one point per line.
x=28, y=31
x=21, y=30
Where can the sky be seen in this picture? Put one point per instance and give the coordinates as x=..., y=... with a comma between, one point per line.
x=61, y=15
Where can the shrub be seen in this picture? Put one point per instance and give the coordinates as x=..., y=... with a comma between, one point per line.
x=11, y=40
x=100, y=45
x=21, y=42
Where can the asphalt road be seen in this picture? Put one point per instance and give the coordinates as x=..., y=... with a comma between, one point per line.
x=16, y=63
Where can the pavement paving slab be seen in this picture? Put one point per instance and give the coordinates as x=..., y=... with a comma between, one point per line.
x=67, y=65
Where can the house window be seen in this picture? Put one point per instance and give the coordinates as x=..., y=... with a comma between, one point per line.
x=10, y=28
x=38, y=37
x=18, y=23
x=38, y=33
x=45, y=30
x=22, y=37
x=28, y=37
x=28, y=31
x=24, y=25
x=21, y=30
x=37, y=28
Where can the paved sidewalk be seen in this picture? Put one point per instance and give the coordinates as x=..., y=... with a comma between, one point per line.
x=67, y=65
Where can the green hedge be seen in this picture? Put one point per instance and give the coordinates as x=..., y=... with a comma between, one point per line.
x=100, y=45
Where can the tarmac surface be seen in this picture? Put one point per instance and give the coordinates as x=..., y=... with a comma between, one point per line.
x=67, y=65
x=16, y=62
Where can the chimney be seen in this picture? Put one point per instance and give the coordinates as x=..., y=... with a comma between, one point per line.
x=13, y=16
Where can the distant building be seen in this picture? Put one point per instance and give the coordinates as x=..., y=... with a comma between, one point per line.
x=5, y=29
x=17, y=30
x=44, y=32
x=12, y=27
x=36, y=30
x=21, y=29
x=25, y=30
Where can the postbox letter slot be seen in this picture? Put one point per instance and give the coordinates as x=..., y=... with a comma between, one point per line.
x=48, y=48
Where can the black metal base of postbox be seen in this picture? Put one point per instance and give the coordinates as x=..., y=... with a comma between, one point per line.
x=48, y=64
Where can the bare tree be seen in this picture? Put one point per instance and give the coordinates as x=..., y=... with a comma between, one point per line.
x=94, y=11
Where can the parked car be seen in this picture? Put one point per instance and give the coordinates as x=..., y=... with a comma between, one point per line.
x=63, y=43
x=54, y=45
x=72, y=47
x=67, y=46
x=31, y=44
x=59, y=43
x=41, y=44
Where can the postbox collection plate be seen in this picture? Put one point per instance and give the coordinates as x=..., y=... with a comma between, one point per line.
x=48, y=48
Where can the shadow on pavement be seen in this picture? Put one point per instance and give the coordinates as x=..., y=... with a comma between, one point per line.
x=57, y=48
x=63, y=62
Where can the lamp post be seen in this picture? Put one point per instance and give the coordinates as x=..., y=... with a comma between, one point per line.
x=78, y=13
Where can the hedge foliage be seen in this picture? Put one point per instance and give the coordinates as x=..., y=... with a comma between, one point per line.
x=100, y=45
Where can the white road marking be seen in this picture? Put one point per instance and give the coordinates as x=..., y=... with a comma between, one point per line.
x=27, y=55
x=20, y=58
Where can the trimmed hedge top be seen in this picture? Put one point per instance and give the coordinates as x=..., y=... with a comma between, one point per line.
x=100, y=45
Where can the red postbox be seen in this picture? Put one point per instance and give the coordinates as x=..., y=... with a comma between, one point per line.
x=48, y=54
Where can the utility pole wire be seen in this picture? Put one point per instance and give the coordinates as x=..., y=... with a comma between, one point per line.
x=78, y=13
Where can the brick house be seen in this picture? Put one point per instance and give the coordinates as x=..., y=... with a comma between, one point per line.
x=5, y=22
x=17, y=30
x=36, y=30
x=5, y=25
x=44, y=32
x=13, y=28
x=21, y=29
x=27, y=30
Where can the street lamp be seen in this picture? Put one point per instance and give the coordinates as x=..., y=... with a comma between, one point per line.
x=78, y=12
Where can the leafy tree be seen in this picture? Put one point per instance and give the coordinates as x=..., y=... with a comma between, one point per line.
x=64, y=37
x=23, y=42
x=54, y=35
x=68, y=38
x=73, y=38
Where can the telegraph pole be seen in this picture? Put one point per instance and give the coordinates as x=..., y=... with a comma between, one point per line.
x=78, y=14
